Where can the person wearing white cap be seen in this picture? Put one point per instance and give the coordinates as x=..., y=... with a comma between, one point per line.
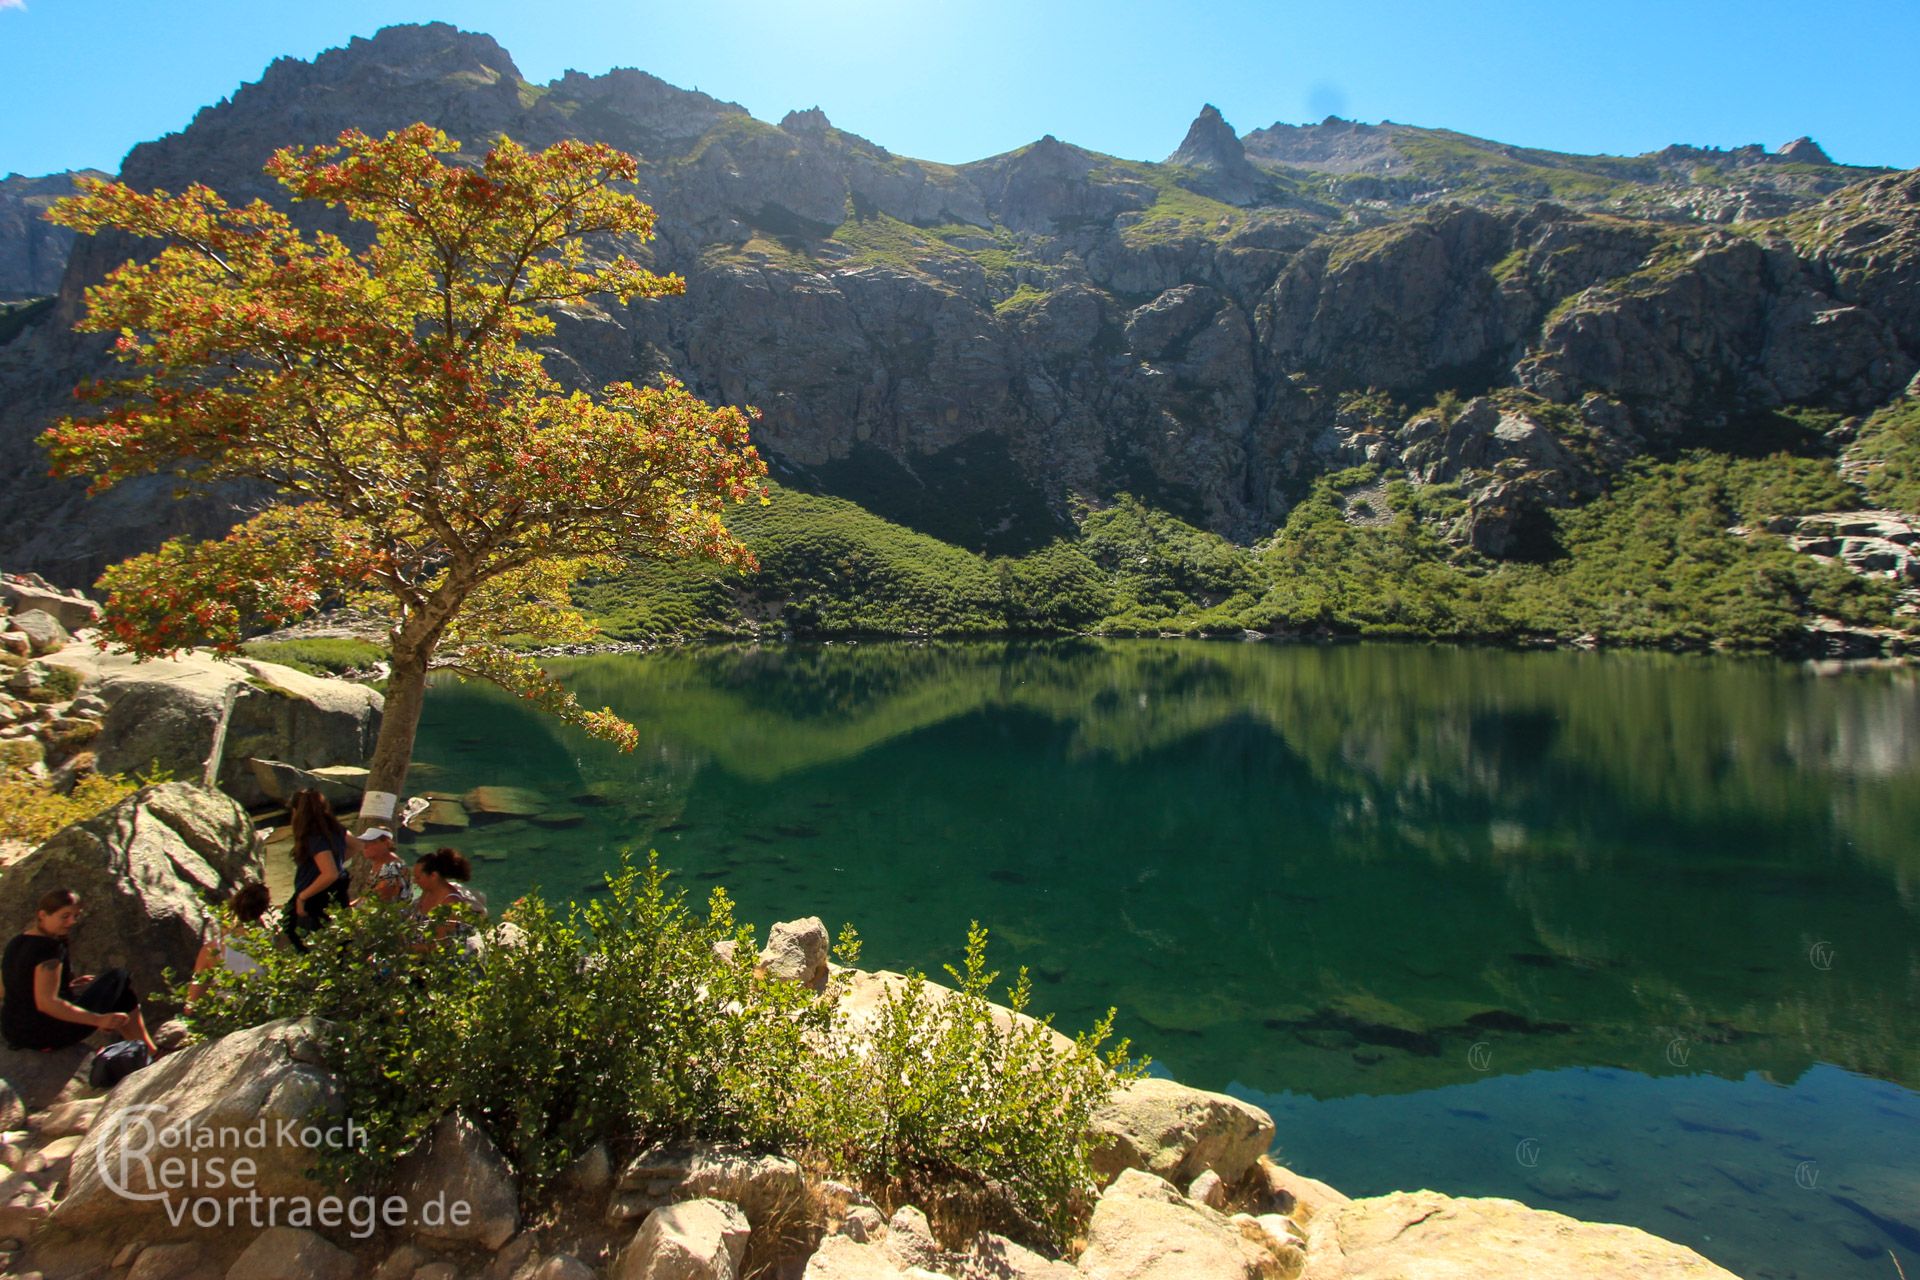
x=392, y=882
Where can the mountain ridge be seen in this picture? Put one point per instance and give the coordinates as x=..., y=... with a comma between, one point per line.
x=974, y=348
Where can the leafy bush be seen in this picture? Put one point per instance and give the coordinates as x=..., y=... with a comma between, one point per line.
x=943, y=1099
x=611, y=1019
x=625, y=1020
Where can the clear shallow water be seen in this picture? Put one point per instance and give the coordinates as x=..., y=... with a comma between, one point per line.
x=1631, y=937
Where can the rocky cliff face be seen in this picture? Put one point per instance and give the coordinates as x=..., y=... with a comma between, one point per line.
x=33, y=252
x=964, y=348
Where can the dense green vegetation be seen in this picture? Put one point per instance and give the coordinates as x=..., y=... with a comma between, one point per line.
x=1653, y=563
x=1888, y=450
x=1657, y=561
x=626, y=1020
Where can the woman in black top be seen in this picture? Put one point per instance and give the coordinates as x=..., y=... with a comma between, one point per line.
x=319, y=865
x=43, y=1009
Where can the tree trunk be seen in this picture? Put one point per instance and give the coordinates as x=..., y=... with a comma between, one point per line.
x=399, y=721
x=393, y=752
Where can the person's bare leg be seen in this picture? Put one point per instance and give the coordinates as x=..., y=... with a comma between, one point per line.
x=137, y=1026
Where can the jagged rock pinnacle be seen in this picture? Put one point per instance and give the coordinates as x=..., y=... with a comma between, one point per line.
x=1805, y=150
x=813, y=121
x=1211, y=143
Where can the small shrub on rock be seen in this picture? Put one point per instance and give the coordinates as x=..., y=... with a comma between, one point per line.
x=630, y=1019
x=943, y=1100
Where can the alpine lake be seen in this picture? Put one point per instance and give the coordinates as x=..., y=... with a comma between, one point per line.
x=1631, y=937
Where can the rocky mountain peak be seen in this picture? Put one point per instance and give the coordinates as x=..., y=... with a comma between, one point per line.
x=1804, y=150
x=428, y=50
x=812, y=122
x=1212, y=148
x=1211, y=143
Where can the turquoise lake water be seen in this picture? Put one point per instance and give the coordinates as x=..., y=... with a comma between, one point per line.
x=1631, y=937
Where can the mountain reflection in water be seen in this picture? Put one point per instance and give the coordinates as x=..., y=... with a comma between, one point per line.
x=1375, y=874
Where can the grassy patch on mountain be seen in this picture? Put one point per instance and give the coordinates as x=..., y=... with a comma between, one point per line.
x=1651, y=563
x=827, y=568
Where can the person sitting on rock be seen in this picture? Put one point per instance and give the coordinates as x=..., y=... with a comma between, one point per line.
x=45, y=1006
x=439, y=875
x=391, y=882
x=247, y=905
x=319, y=865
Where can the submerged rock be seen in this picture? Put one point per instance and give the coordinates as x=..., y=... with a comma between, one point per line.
x=516, y=802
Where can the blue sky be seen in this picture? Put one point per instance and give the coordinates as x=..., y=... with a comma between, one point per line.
x=81, y=81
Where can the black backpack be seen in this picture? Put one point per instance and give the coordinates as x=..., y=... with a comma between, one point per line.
x=116, y=1062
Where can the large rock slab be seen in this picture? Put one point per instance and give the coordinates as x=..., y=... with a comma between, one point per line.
x=770, y=1189
x=843, y=1258
x=290, y=1253
x=1177, y=1133
x=341, y=784
x=43, y=631
x=1143, y=1229
x=1423, y=1233
x=692, y=1240
x=796, y=951
x=175, y=713
x=459, y=1166
x=263, y=1096
x=994, y=1257
x=145, y=871
x=864, y=993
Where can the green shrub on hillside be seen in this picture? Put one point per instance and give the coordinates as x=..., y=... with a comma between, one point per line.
x=1653, y=563
x=826, y=568
x=1393, y=579
x=1650, y=563
x=1162, y=567
x=1057, y=588
x=1888, y=446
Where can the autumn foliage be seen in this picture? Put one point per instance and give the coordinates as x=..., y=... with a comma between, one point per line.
x=423, y=462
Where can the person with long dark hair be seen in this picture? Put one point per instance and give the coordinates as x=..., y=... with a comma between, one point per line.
x=319, y=865
x=45, y=1006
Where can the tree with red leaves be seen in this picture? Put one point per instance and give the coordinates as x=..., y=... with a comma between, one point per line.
x=423, y=462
